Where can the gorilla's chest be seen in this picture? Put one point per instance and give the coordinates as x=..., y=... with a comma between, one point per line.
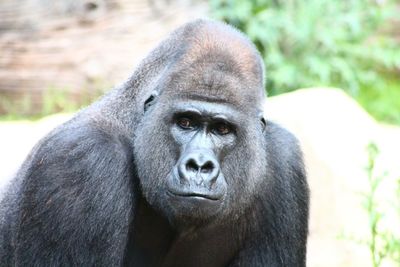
x=155, y=243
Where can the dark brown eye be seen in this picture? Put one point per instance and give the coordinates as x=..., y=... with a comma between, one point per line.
x=222, y=129
x=185, y=123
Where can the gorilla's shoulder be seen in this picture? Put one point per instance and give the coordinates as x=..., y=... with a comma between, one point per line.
x=283, y=146
x=280, y=135
x=81, y=143
x=86, y=132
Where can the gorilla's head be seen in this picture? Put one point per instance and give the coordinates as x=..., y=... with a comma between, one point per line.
x=199, y=146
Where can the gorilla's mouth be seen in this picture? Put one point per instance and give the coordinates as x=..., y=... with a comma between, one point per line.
x=197, y=195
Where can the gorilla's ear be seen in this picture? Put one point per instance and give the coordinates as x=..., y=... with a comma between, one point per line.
x=262, y=120
x=150, y=100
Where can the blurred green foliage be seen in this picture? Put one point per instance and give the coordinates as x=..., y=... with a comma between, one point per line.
x=52, y=100
x=383, y=102
x=305, y=43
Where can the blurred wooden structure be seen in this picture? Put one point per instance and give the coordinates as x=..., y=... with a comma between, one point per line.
x=78, y=47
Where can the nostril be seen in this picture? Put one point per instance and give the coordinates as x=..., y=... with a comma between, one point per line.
x=207, y=167
x=191, y=165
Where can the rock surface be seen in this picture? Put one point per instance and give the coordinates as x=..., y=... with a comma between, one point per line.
x=334, y=132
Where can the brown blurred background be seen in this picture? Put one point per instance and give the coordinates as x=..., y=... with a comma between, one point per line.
x=58, y=55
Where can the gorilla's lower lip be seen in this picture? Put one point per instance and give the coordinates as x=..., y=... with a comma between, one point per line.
x=194, y=195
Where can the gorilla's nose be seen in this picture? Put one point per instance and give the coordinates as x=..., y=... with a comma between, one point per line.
x=199, y=167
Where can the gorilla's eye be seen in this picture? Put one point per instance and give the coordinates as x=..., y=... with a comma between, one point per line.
x=185, y=123
x=222, y=128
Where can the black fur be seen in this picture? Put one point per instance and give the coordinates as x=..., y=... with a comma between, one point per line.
x=93, y=192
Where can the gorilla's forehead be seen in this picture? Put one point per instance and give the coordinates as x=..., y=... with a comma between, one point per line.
x=216, y=87
x=213, y=83
x=218, y=61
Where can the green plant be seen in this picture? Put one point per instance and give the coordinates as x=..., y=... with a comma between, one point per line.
x=316, y=42
x=371, y=206
x=392, y=239
x=382, y=243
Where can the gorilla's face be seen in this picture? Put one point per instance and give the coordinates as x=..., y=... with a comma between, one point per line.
x=202, y=132
x=195, y=158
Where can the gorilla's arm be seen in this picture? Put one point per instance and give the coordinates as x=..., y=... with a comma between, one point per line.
x=280, y=220
x=77, y=198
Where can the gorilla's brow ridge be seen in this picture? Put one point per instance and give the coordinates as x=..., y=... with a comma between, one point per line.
x=207, y=98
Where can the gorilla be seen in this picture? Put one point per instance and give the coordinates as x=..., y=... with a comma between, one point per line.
x=174, y=167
